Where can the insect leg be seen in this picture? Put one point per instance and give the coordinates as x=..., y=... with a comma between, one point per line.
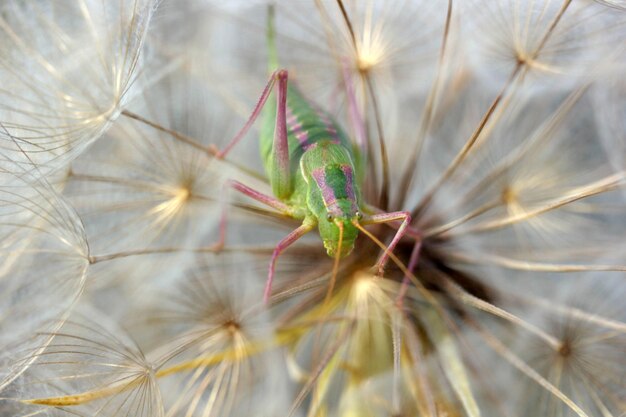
x=304, y=228
x=255, y=114
x=280, y=173
x=260, y=197
x=404, y=229
x=415, y=253
x=409, y=231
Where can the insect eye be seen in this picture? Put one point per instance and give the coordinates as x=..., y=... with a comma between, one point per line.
x=329, y=217
x=359, y=215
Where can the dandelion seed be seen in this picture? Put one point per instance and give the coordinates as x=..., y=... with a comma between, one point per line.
x=552, y=41
x=580, y=366
x=220, y=348
x=44, y=261
x=82, y=59
x=88, y=369
x=158, y=192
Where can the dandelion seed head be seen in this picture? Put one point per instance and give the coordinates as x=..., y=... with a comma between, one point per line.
x=369, y=57
x=222, y=337
x=488, y=121
x=363, y=286
x=368, y=290
x=586, y=343
x=552, y=42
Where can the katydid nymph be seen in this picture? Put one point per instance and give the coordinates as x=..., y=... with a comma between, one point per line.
x=314, y=171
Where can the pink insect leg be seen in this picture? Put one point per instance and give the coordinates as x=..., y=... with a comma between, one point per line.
x=280, y=170
x=411, y=267
x=280, y=175
x=404, y=229
x=304, y=228
x=255, y=114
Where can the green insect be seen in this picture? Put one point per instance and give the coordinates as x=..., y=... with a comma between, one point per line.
x=314, y=170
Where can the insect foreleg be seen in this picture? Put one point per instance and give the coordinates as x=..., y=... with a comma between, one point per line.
x=305, y=228
x=403, y=230
x=415, y=253
x=379, y=218
x=394, y=224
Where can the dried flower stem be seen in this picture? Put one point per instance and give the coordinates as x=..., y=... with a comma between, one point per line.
x=211, y=150
x=510, y=263
x=408, y=176
x=467, y=147
x=606, y=184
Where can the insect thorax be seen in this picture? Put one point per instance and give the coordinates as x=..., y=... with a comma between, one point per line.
x=332, y=195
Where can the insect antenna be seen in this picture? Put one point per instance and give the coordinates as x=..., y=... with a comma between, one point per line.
x=333, y=277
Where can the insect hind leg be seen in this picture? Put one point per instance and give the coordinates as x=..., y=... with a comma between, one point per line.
x=280, y=172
